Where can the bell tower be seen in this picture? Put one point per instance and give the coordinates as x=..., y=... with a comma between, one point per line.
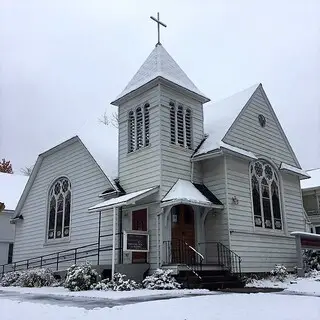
x=160, y=123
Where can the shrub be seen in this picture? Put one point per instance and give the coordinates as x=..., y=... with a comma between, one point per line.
x=117, y=283
x=279, y=272
x=311, y=260
x=40, y=277
x=9, y=279
x=161, y=280
x=36, y=278
x=81, y=277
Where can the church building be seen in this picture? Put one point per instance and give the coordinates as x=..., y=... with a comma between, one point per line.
x=200, y=185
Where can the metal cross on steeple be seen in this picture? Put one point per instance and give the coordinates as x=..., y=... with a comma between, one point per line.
x=158, y=22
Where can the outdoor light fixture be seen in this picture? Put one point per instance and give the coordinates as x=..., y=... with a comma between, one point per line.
x=235, y=200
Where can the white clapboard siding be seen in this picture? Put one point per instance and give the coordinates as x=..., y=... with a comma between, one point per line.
x=261, y=249
x=175, y=160
x=248, y=134
x=140, y=169
x=87, y=182
x=216, y=225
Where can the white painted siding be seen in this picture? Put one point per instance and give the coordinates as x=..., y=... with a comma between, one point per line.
x=175, y=160
x=87, y=181
x=216, y=223
x=247, y=133
x=6, y=236
x=260, y=249
x=140, y=169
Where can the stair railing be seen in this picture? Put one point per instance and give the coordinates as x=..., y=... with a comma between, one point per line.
x=178, y=251
x=229, y=259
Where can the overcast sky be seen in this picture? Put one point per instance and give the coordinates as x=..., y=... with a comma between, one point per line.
x=63, y=62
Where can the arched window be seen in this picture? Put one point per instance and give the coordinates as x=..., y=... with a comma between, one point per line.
x=59, y=209
x=180, y=126
x=138, y=128
x=265, y=195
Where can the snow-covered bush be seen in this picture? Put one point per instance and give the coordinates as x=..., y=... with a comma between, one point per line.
x=311, y=260
x=9, y=279
x=161, y=280
x=117, y=283
x=80, y=277
x=41, y=277
x=279, y=272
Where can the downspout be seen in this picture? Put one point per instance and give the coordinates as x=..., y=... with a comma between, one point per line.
x=192, y=169
x=120, y=254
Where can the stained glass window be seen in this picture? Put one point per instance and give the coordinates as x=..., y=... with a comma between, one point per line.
x=265, y=196
x=59, y=209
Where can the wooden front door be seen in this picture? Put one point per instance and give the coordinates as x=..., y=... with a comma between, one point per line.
x=139, y=222
x=182, y=231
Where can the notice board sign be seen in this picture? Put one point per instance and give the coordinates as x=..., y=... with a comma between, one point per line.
x=136, y=241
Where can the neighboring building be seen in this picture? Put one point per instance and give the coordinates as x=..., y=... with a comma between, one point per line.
x=11, y=187
x=311, y=199
x=237, y=188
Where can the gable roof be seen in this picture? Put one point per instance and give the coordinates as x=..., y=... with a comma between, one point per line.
x=95, y=156
x=219, y=117
x=184, y=191
x=11, y=188
x=160, y=64
x=313, y=182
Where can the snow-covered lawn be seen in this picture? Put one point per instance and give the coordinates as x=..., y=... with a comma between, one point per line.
x=310, y=285
x=215, y=307
x=60, y=291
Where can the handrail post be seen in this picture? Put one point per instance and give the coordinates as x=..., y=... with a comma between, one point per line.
x=75, y=256
x=27, y=264
x=14, y=266
x=41, y=262
x=57, y=261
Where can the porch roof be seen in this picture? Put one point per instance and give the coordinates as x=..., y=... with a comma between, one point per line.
x=126, y=199
x=185, y=192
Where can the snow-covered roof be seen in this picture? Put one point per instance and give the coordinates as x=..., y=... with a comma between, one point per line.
x=313, y=182
x=219, y=117
x=183, y=191
x=123, y=200
x=287, y=167
x=11, y=188
x=160, y=64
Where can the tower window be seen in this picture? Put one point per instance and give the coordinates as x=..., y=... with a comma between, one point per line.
x=180, y=126
x=138, y=128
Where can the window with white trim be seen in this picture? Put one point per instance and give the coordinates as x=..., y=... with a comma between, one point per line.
x=59, y=209
x=180, y=126
x=138, y=128
x=265, y=196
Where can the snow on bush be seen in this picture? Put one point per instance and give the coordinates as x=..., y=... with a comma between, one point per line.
x=117, y=283
x=311, y=260
x=40, y=277
x=161, y=280
x=279, y=272
x=81, y=277
x=9, y=279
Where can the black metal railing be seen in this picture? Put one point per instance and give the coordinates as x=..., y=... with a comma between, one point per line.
x=178, y=251
x=216, y=253
x=56, y=259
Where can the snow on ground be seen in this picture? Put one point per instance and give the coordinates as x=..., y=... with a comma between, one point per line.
x=60, y=291
x=309, y=285
x=218, y=307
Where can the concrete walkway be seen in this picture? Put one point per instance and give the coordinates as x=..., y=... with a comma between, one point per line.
x=85, y=302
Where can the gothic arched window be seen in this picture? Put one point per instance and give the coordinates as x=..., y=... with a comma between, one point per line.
x=59, y=209
x=265, y=195
x=180, y=126
x=138, y=128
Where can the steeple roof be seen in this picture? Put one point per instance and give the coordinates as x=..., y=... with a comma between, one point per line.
x=160, y=64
